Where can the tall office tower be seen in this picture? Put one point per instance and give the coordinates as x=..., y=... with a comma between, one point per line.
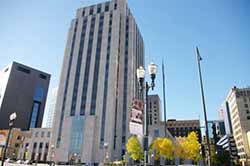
x=22, y=90
x=156, y=126
x=154, y=110
x=52, y=105
x=239, y=103
x=98, y=82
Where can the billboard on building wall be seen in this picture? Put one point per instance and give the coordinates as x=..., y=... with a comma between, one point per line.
x=136, y=117
x=3, y=137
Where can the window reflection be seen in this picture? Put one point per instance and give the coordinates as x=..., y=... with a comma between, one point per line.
x=38, y=96
x=35, y=111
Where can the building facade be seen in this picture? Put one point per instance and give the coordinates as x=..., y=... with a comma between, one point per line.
x=15, y=142
x=181, y=128
x=98, y=82
x=52, y=105
x=216, y=130
x=154, y=105
x=227, y=143
x=224, y=115
x=22, y=90
x=239, y=103
x=156, y=126
x=154, y=118
x=35, y=145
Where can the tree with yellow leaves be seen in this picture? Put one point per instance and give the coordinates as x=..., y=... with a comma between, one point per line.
x=163, y=147
x=134, y=148
x=188, y=147
x=194, y=147
x=181, y=148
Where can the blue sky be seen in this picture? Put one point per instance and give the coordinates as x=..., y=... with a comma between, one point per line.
x=34, y=33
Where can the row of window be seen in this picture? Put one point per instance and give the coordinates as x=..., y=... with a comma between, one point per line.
x=155, y=111
x=183, y=128
x=182, y=124
x=43, y=134
x=243, y=93
x=151, y=121
x=241, y=150
x=244, y=156
x=239, y=137
x=179, y=133
x=39, y=157
x=27, y=71
x=99, y=9
x=245, y=99
x=36, y=155
x=41, y=145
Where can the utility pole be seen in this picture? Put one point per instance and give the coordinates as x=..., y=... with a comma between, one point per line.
x=203, y=105
x=164, y=99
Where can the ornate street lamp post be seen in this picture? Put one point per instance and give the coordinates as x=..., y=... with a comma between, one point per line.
x=141, y=77
x=11, y=122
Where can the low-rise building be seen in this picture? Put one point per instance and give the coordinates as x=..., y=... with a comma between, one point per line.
x=15, y=142
x=181, y=128
x=35, y=146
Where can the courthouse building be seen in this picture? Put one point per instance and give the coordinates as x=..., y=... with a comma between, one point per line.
x=98, y=82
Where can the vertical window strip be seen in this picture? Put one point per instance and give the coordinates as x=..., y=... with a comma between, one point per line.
x=117, y=81
x=96, y=69
x=66, y=86
x=137, y=66
x=104, y=107
x=78, y=68
x=125, y=85
x=87, y=66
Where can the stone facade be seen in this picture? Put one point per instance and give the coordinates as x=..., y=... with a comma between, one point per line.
x=239, y=105
x=98, y=83
x=35, y=145
x=181, y=128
